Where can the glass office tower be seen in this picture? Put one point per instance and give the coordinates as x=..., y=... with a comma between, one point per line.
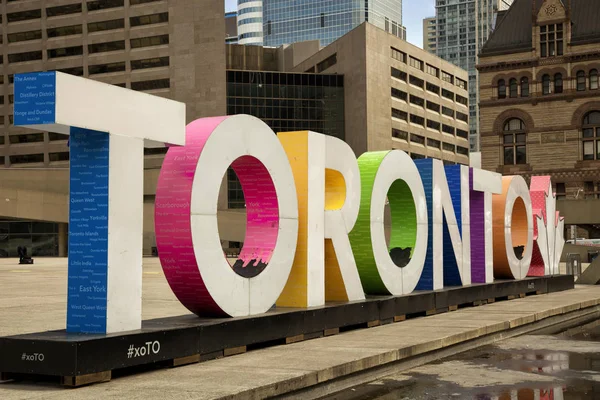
x=290, y=21
x=462, y=29
x=250, y=22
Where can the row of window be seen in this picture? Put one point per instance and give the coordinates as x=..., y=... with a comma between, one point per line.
x=67, y=9
x=433, y=143
x=435, y=125
x=35, y=158
x=430, y=87
x=430, y=69
x=155, y=62
x=154, y=84
x=32, y=137
x=92, y=27
x=514, y=141
x=430, y=105
x=550, y=84
x=117, y=45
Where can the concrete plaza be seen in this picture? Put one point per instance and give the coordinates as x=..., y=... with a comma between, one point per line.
x=33, y=299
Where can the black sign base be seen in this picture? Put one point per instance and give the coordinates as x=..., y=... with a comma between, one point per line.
x=83, y=359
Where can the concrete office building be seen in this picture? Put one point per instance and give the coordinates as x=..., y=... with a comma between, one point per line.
x=397, y=96
x=159, y=47
x=286, y=21
x=462, y=29
x=231, y=30
x=369, y=87
x=430, y=35
x=250, y=22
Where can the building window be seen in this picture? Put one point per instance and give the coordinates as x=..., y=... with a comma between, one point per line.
x=103, y=4
x=433, y=106
x=106, y=68
x=398, y=134
x=24, y=15
x=63, y=156
x=27, y=159
x=594, y=79
x=462, y=150
x=524, y=87
x=462, y=100
x=462, y=134
x=448, y=129
x=561, y=191
x=514, y=142
x=63, y=10
x=403, y=115
x=77, y=71
x=448, y=94
x=149, y=19
x=413, y=80
x=151, y=85
x=446, y=77
x=398, y=55
x=448, y=147
x=580, y=81
x=591, y=136
x=546, y=84
x=396, y=73
x=501, y=89
x=415, y=119
x=27, y=138
x=431, y=70
x=558, y=83
x=149, y=41
x=134, y=2
x=461, y=84
x=106, y=47
x=65, y=52
x=592, y=190
x=551, y=40
x=462, y=117
x=433, y=88
x=399, y=94
x=150, y=63
x=57, y=136
x=514, y=88
x=106, y=25
x=416, y=100
x=416, y=63
x=417, y=138
x=64, y=31
x=322, y=20
x=431, y=124
x=24, y=36
x=155, y=151
x=27, y=56
x=433, y=143
x=448, y=112
x=235, y=193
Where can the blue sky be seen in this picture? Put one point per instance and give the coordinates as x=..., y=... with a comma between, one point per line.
x=414, y=12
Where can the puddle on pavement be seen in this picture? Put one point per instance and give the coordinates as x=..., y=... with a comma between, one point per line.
x=529, y=367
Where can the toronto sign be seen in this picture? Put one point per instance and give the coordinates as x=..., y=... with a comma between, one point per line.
x=315, y=212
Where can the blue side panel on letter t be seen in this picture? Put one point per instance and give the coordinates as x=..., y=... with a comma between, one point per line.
x=35, y=98
x=425, y=168
x=88, y=232
x=451, y=272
